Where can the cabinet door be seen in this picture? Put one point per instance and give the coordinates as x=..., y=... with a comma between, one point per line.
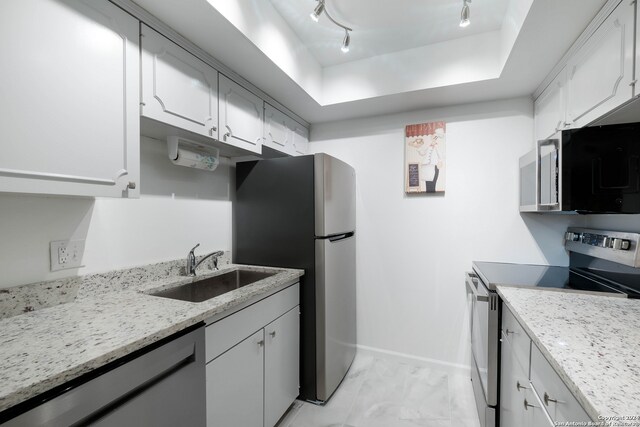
x=549, y=109
x=178, y=88
x=69, y=98
x=281, y=362
x=514, y=383
x=277, y=132
x=235, y=385
x=600, y=75
x=300, y=139
x=241, y=116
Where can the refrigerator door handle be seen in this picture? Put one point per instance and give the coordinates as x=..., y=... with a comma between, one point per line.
x=336, y=237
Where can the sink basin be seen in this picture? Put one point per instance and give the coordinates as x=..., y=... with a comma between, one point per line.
x=202, y=290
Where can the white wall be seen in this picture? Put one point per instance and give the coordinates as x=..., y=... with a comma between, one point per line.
x=178, y=208
x=630, y=223
x=413, y=251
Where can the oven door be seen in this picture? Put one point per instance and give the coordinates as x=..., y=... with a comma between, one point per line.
x=484, y=315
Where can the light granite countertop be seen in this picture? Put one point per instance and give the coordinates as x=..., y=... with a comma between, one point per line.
x=107, y=317
x=592, y=342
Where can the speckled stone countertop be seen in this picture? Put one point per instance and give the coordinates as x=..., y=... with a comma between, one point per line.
x=44, y=348
x=592, y=342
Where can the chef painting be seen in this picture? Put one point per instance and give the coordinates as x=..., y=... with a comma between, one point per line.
x=425, y=157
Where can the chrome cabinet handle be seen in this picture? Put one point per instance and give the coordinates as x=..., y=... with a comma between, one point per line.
x=261, y=343
x=228, y=134
x=273, y=334
x=548, y=399
x=527, y=405
x=518, y=386
x=510, y=332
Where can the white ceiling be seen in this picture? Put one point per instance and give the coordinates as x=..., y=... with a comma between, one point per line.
x=383, y=26
x=256, y=40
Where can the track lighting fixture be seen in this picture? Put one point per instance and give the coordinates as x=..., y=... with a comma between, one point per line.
x=319, y=10
x=315, y=15
x=465, y=14
x=345, y=42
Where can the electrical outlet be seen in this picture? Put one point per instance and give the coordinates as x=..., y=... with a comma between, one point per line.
x=66, y=254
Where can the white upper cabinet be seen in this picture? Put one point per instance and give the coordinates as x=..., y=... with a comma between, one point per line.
x=300, y=139
x=600, y=74
x=550, y=109
x=284, y=134
x=241, y=116
x=69, y=98
x=277, y=132
x=177, y=88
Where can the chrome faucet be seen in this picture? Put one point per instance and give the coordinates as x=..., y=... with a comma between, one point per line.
x=191, y=260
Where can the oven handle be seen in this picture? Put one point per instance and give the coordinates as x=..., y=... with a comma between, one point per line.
x=472, y=285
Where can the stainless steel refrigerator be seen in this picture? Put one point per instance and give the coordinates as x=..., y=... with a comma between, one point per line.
x=299, y=212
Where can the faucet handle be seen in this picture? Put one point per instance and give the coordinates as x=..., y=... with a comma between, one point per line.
x=194, y=248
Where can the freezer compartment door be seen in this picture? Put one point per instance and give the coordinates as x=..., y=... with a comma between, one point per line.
x=335, y=195
x=335, y=311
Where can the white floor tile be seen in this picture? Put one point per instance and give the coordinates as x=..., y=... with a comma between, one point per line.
x=384, y=392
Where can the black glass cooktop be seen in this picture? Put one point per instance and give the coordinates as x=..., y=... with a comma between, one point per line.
x=584, y=279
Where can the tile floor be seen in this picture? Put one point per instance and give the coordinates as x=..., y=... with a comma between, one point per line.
x=386, y=392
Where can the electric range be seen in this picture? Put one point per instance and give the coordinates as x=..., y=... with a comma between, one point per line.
x=604, y=262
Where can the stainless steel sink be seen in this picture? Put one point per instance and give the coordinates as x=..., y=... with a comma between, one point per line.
x=202, y=290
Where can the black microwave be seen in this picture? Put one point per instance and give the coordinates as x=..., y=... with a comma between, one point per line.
x=588, y=170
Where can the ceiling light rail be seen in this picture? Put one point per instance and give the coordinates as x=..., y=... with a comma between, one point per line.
x=319, y=10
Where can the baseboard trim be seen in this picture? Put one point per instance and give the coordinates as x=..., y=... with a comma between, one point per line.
x=436, y=363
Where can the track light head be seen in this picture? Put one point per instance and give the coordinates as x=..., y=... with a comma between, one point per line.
x=465, y=15
x=319, y=10
x=315, y=15
x=345, y=42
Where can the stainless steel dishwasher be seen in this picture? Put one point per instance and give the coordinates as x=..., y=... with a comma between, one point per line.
x=160, y=386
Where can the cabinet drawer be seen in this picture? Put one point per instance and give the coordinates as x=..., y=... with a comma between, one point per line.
x=226, y=333
x=517, y=337
x=548, y=385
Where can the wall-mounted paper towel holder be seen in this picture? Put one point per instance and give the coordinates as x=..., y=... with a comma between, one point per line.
x=183, y=152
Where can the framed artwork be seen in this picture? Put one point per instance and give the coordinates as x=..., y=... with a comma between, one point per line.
x=425, y=157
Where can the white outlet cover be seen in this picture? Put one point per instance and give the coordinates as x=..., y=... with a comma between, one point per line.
x=66, y=254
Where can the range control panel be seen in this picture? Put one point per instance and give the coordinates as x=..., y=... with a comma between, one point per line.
x=615, y=246
x=601, y=240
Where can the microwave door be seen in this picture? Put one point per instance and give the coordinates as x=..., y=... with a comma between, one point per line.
x=548, y=174
x=528, y=182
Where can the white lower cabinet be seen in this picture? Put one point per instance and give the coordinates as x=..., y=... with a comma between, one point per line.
x=281, y=365
x=531, y=392
x=235, y=383
x=514, y=384
x=555, y=397
x=253, y=362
